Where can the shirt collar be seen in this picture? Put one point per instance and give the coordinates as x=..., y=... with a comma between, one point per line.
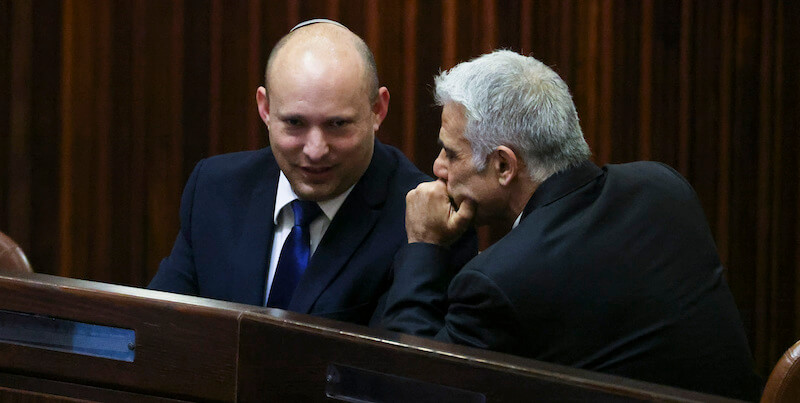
x=286, y=195
x=516, y=222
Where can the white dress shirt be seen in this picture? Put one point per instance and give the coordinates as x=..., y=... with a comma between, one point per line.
x=284, y=221
x=519, y=218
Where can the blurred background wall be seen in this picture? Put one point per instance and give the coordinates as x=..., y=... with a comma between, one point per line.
x=107, y=105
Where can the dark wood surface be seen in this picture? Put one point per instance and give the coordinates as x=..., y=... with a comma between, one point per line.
x=198, y=349
x=182, y=349
x=272, y=372
x=29, y=389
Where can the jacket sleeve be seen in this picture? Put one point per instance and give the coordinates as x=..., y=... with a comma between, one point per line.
x=480, y=314
x=177, y=272
x=417, y=300
x=429, y=299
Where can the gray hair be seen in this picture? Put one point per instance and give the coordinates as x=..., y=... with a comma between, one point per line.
x=519, y=102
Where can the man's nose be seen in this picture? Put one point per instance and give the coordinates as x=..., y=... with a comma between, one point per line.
x=440, y=166
x=316, y=146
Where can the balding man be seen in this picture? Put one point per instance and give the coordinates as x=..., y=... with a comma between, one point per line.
x=310, y=224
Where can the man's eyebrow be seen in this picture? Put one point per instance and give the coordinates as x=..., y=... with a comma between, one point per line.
x=341, y=117
x=291, y=116
x=447, y=150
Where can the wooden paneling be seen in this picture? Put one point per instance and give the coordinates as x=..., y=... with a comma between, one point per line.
x=202, y=350
x=108, y=106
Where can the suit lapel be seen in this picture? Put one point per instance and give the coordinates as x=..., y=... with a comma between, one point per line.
x=251, y=261
x=351, y=225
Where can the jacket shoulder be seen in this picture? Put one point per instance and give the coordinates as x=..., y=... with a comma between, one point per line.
x=649, y=178
x=235, y=168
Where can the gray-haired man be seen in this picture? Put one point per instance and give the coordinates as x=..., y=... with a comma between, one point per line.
x=611, y=269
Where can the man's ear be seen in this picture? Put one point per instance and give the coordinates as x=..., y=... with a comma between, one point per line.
x=506, y=164
x=380, y=108
x=263, y=104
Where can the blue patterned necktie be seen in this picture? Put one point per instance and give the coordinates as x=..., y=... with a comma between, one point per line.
x=294, y=255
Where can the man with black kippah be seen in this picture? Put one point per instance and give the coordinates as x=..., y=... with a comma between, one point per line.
x=311, y=223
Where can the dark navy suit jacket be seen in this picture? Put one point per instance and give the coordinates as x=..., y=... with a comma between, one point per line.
x=612, y=270
x=224, y=245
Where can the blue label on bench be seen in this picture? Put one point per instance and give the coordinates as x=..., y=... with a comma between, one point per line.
x=40, y=331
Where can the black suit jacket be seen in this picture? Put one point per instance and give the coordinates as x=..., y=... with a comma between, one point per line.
x=224, y=245
x=613, y=270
